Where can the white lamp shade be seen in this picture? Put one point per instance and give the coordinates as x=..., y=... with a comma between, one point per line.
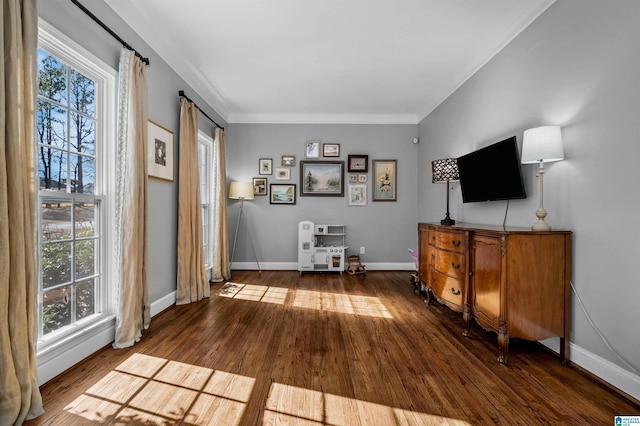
x=241, y=191
x=542, y=144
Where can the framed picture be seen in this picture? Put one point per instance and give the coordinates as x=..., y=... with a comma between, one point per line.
x=353, y=178
x=358, y=163
x=259, y=186
x=385, y=180
x=160, y=151
x=322, y=178
x=288, y=161
x=282, y=193
x=362, y=178
x=265, y=166
x=357, y=195
x=312, y=149
x=331, y=150
x=283, y=173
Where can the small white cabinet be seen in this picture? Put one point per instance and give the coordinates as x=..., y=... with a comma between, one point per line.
x=321, y=247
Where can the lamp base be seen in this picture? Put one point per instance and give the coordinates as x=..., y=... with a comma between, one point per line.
x=447, y=221
x=541, y=225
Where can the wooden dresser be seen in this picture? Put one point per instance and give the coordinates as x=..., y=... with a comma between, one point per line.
x=513, y=281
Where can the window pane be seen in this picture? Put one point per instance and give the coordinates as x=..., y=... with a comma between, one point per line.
x=56, y=221
x=83, y=136
x=85, y=258
x=56, y=264
x=53, y=166
x=85, y=298
x=82, y=93
x=56, y=309
x=83, y=174
x=52, y=78
x=85, y=219
x=52, y=124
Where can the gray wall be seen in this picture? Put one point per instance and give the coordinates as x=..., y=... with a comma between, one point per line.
x=163, y=85
x=577, y=66
x=385, y=229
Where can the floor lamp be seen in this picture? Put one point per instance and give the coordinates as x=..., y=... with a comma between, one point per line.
x=539, y=145
x=445, y=171
x=242, y=191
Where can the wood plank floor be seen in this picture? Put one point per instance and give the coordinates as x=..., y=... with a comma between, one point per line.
x=278, y=348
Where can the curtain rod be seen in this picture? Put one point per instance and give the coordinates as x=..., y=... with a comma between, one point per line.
x=110, y=31
x=182, y=95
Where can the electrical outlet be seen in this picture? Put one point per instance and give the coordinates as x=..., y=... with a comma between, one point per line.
x=361, y=250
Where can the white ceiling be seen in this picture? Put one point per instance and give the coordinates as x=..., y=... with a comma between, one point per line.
x=326, y=61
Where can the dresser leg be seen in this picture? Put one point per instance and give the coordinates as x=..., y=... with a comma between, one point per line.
x=466, y=317
x=503, y=343
x=427, y=296
x=564, y=350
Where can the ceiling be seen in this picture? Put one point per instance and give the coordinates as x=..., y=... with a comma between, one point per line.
x=326, y=61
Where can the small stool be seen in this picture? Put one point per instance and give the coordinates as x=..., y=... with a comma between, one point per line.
x=354, y=266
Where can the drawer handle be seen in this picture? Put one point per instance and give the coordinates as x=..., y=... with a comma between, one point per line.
x=456, y=243
x=455, y=265
x=454, y=292
x=433, y=256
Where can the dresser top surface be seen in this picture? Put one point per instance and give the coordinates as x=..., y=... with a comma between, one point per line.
x=493, y=228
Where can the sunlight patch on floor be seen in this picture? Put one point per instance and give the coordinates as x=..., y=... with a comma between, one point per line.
x=150, y=390
x=343, y=303
x=333, y=302
x=290, y=405
x=155, y=391
x=256, y=293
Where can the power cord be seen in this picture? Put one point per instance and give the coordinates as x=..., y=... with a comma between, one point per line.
x=505, y=215
x=604, y=339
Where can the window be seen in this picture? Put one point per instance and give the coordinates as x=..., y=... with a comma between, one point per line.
x=205, y=160
x=75, y=121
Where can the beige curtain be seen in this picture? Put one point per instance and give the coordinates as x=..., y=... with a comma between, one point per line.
x=221, y=262
x=133, y=313
x=192, y=282
x=19, y=394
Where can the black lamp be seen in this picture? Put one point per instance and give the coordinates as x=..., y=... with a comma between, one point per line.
x=445, y=171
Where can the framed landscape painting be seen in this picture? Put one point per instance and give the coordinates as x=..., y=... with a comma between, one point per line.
x=282, y=193
x=322, y=178
x=358, y=163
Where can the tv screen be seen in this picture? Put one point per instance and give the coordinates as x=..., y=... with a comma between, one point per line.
x=492, y=173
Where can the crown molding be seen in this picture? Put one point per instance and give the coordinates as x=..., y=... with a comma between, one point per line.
x=323, y=118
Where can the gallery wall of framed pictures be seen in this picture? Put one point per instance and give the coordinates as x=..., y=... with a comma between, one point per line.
x=322, y=173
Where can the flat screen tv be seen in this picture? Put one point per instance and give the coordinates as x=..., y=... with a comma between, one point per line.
x=492, y=173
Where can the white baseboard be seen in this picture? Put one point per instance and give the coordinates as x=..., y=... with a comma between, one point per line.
x=162, y=303
x=293, y=266
x=627, y=381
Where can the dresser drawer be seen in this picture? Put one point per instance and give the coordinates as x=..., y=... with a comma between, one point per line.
x=447, y=288
x=432, y=236
x=449, y=263
x=449, y=241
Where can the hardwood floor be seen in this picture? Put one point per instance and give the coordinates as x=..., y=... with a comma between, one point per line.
x=278, y=348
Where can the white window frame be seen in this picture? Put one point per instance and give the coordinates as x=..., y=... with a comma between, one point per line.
x=205, y=168
x=100, y=325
